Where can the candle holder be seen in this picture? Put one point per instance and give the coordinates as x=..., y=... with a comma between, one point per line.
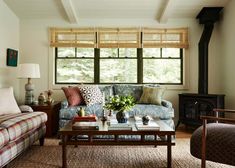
x=104, y=118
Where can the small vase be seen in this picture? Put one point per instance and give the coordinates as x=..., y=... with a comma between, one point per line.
x=121, y=117
x=145, y=120
x=41, y=98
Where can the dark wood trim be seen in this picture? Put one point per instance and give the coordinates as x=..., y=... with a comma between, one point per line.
x=203, y=147
x=140, y=65
x=97, y=66
x=41, y=141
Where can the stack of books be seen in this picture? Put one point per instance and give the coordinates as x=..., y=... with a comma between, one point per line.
x=119, y=126
x=151, y=126
x=85, y=126
x=88, y=118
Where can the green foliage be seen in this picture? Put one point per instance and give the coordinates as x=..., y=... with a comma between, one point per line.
x=120, y=103
x=78, y=67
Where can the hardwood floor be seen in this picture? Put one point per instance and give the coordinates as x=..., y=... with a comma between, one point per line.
x=184, y=132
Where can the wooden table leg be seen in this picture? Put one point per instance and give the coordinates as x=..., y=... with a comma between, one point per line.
x=64, y=151
x=169, y=151
x=204, y=132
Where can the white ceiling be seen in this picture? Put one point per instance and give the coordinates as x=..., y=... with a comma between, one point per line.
x=73, y=10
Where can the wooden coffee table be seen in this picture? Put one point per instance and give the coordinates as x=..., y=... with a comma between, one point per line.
x=163, y=137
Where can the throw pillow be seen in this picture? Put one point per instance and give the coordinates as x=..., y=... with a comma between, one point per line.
x=91, y=94
x=152, y=95
x=73, y=95
x=26, y=109
x=8, y=103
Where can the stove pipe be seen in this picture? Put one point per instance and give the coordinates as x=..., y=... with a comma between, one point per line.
x=207, y=16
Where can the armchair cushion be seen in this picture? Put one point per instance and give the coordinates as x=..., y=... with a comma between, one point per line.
x=220, y=146
x=8, y=103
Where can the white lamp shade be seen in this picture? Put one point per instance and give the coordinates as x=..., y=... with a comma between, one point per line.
x=28, y=71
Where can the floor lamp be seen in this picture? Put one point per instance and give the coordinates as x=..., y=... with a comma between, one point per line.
x=29, y=71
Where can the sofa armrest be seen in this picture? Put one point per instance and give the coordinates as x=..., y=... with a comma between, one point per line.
x=166, y=103
x=64, y=104
x=25, y=109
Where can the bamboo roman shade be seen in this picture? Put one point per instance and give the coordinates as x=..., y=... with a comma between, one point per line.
x=119, y=37
x=84, y=37
x=165, y=38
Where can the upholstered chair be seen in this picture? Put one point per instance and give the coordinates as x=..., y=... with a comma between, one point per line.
x=215, y=141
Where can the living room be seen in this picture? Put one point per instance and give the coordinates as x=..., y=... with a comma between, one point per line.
x=26, y=27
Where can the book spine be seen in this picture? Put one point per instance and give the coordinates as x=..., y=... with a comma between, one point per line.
x=84, y=120
x=86, y=127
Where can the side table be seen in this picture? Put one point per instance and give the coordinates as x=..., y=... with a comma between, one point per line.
x=52, y=110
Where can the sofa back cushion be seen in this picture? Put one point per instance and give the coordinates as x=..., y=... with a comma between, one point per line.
x=128, y=89
x=73, y=95
x=107, y=90
x=8, y=103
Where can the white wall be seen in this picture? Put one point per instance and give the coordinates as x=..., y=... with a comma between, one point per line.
x=227, y=41
x=9, y=38
x=34, y=46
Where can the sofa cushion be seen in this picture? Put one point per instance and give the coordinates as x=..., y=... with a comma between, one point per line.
x=107, y=91
x=70, y=112
x=128, y=89
x=4, y=137
x=73, y=95
x=19, y=124
x=8, y=103
x=91, y=94
x=155, y=111
x=152, y=95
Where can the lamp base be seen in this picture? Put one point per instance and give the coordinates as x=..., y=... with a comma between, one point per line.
x=29, y=96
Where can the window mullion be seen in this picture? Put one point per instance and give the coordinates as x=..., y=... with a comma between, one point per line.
x=140, y=65
x=182, y=66
x=56, y=56
x=97, y=66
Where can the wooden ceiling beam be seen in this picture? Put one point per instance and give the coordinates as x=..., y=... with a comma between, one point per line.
x=168, y=7
x=70, y=11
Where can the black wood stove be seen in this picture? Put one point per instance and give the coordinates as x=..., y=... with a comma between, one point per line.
x=192, y=105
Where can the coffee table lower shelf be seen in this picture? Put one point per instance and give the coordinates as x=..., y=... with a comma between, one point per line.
x=163, y=137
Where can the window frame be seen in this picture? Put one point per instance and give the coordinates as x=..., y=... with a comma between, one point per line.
x=139, y=58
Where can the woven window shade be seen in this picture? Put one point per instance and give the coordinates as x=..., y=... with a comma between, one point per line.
x=83, y=37
x=118, y=38
x=165, y=38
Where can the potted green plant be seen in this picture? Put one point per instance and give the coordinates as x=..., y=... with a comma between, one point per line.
x=120, y=104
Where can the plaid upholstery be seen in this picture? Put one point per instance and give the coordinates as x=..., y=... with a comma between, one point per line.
x=13, y=149
x=4, y=137
x=22, y=123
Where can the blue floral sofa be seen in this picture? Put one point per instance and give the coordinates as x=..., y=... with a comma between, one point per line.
x=164, y=111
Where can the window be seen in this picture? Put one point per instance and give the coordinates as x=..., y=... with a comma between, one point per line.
x=119, y=55
x=162, y=65
x=74, y=65
x=119, y=65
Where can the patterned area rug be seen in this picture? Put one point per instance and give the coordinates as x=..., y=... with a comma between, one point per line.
x=49, y=156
